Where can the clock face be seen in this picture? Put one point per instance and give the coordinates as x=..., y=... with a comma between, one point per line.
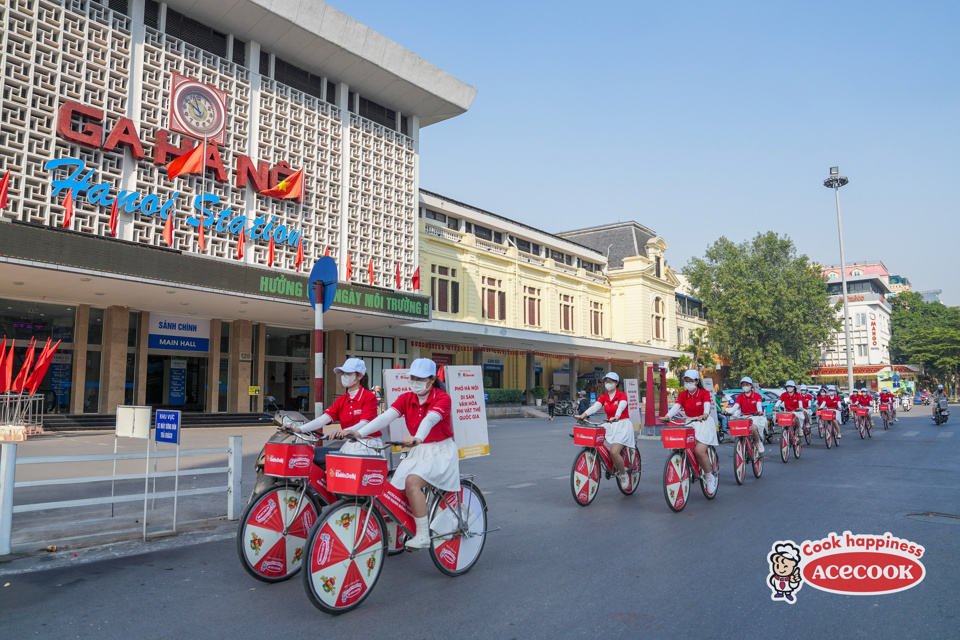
x=199, y=109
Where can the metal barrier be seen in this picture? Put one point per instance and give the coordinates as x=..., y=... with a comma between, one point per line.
x=9, y=463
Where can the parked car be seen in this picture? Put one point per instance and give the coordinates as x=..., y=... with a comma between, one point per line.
x=770, y=397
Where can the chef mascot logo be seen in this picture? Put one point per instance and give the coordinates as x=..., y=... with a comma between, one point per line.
x=784, y=579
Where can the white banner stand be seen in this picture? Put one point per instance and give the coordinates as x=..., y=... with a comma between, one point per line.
x=133, y=422
x=468, y=413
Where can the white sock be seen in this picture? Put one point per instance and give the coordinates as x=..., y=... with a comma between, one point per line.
x=422, y=526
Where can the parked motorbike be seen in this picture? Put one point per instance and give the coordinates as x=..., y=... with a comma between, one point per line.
x=280, y=418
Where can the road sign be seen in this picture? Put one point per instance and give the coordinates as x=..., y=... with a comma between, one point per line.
x=168, y=426
x=325, y=271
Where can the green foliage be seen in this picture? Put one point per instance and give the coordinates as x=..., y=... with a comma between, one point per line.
x=538, y=392
x=769, y=307
x=582, y=384
x=701, y=351
x=678, y=365
x=498, y=396
x=487, y=382
x=926, y=333
x=673, y=383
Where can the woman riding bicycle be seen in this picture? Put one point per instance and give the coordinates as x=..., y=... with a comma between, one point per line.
x=750, y=404
x=792, y=402
x=352, y=410
x=886, y=397
x=806, y=401
x=833, y=402
x=696, y=403
x=863, y=399
x=619, y=433
x=426, y=411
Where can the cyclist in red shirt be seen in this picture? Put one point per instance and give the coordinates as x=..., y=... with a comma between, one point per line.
x=352, y=410
x=807, y=403
x=888, y=398
x=863, y=399
x=833, y=402
x=792, y=402
x=434, y=459
x=619, y=433
x=696, y=403
x=750, y=404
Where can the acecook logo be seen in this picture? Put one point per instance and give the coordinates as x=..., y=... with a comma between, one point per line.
x=862, y=564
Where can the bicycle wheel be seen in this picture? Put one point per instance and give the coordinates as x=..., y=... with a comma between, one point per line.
x=273, y=533
x=740, y=460
x=585, y=476
x=829, y=435
x=797, y=444
x=870, y=429
x=757, y=463
x=395, y=535
x=806, y=434
x=861, y=427
x=714, y=464
x=820, y=427
x=631, y=459
x=461, y=544
x=785, y=445
x=676, y=481
x=836, y=433
x=338, y=578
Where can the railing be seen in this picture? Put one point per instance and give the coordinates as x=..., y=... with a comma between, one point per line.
x=442, y=232
x=565, y=268
x=9, y=463
x=530, y=258
x=492, y=247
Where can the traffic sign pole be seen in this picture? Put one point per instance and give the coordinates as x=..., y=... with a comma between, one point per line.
x=318, y=348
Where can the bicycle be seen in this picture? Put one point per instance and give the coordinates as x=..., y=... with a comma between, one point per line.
x=745, y=450
x=885, y=414
x=788, y=436
x=594, y=457
x=346, y=546
x=861, y=422
x=682, y=464
x=828, y=418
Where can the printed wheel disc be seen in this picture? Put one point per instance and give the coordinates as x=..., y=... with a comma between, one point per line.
x=266, y=550
x=784, y=446
x=676, y=482
x=585, y=479
x=739, y=460
x=631, y=458
x=454, y=552
x=757, y=464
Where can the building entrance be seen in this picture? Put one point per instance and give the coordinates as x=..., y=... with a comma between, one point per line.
x=177, y=382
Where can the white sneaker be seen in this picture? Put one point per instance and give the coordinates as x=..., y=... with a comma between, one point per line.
x=624, y=479
x=419, y=541
x=760, y=447
x=711, y=481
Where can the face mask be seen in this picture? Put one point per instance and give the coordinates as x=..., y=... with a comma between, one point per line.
x=610, y=386
x=747, y=389
x=831, y=393
x=419, y=387
x=347, y=381
x=690, y=386
x=790, y=389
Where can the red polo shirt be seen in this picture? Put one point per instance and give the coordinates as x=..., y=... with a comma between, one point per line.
x=832, y=403
x=695, y=404
x=409, y=407
x=750, y=402
x=791, y=401
x=349, y=411
x=610, y=404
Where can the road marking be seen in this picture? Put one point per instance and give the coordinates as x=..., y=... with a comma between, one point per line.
x=910, y=434
x=561, y=477
x=520, y=486
x=945, y=434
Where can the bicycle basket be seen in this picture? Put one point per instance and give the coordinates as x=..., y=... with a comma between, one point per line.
x=885, y=407
x=740, y=427
x=785, y=419
x=356, y=475
x=827, y=414
x=588, y=436
x=287, y=460
x=860, y=411
x=678, y=438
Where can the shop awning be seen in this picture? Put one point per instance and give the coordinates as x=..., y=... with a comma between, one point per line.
x=825, y=372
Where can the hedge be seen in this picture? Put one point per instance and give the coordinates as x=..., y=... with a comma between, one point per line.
x=498, y=396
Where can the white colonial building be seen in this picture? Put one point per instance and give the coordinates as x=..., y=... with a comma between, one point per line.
x=869, y=314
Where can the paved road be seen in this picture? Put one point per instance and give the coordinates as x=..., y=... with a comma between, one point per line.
x=624, y=565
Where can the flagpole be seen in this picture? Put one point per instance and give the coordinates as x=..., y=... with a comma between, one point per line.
x=203, y=186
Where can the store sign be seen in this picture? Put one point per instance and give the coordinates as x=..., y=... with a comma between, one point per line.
x=167, y=426
x=352, y=297
x=178, y=381
x=493, y=364
x=179, y=334
x=873, y=331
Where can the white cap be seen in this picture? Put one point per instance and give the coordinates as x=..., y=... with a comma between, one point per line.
x=613, y=376
x=423, y=368
x=746, y=379
x=352, y=365
x=692, y=373
x=790, y=383
x=803, y=387
x=831, y=387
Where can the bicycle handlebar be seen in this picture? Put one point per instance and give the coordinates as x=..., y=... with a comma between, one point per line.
x=306, y=437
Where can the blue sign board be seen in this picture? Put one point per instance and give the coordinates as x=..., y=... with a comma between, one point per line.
x=325, y=271
x=593, y=397
x=168, y=426
x=179, y=334
x=486, y=397
x=178, y=381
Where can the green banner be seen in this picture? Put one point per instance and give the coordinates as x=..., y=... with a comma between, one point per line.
x=353, y=297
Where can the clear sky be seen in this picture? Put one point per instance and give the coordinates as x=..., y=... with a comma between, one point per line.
x=700, y=119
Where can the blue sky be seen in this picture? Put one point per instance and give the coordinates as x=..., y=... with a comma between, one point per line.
x=702, y=119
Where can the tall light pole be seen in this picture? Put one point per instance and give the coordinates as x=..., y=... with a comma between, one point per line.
x=835, y=181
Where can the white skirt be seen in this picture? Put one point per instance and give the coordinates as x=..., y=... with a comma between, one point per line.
x=759, y=423
x=438, y=463
x=800, y=415
x=358, y=449
x=706, y=431
x=620, y=432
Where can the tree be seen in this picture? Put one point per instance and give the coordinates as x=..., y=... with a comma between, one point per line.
x=679, y=365
x=769, y=307
x=928, y=334
x=701, y=351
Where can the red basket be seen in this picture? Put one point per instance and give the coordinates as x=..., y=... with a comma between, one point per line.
x=885, y=407
x=286, y=460
x=678, y=438
x=827, y=414
x=860, y=411
x=740, y=427
x=356, y=475
x=785, y=419
x=588, y=436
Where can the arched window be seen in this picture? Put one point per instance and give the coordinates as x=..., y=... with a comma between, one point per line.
x=857, y=272
x=833, y=275
x=657, y=320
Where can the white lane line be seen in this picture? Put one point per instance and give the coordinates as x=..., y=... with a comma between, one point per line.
x=945, y=434
x=910, y=434
x=562, y=477
x=520, y=486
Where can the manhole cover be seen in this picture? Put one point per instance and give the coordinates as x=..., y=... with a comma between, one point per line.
x=936, y=517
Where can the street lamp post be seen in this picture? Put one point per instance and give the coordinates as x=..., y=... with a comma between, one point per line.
x=835, y=181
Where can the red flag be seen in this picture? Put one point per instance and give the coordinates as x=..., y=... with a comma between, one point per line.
x=270, y=252
x=300, y=252
x=326, y=252
x=114, y=217
x=399, y=284
x=68, y=209
x=4, y=186
x=416, y=279
x=201, y=242
x=190, y=162
x=33, y=373
x=349, y=268
x=25, y=369
x=440, y=374
x=370, y=271
x=168, y=230
x=290, y=187
x=6, y=374
x=242, y=240
x=3, y=363
x=43, y=363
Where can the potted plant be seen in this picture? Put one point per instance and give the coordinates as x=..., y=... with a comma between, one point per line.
x=539, y=393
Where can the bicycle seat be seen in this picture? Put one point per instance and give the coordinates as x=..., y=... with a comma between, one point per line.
x=320, y=456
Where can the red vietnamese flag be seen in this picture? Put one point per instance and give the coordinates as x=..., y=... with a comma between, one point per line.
x=68, y=209
x=114, y=217
x=270, y=254
x=168, y=230
x=4, y=186
x=416, y=279
x=190, y=162
x=242, y=240
x=440, y=375
x=43, y=363
x=370, y=271
x=3, y=363
x=349, y=268
x=300, y=252
x=28, y=383
x=201, y=241
x=25, y=369
x=289, y=188
x=326, y=252
x=6, y=374
x=398, y=277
